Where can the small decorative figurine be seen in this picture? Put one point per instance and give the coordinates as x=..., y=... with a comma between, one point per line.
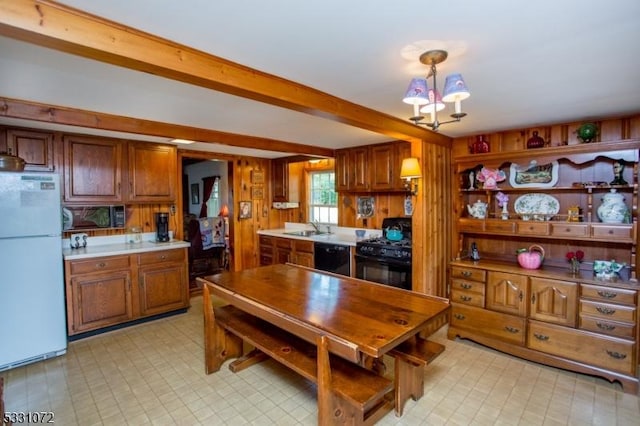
x=475, y=254
x=535, y=141
x=587, y=132
x=480, y=146
x=472, y=180
x=618, y=167
x=573, y=214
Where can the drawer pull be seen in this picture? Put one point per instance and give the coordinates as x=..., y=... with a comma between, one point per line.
x=541, y=337
x=101, y=265
x=610, y=231
x=607, y=327
x=465, y=298
x=512, y=329
x=607, y=294
x=466, y=273
x=616, y=355
x=163, y=257
x=459, y=316
x=605, y=310
x=466, y=286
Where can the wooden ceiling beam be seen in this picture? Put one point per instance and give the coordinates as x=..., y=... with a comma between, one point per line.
x=74, y=117
x=52, y=25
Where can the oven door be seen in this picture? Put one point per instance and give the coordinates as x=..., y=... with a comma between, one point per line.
x=383, y=271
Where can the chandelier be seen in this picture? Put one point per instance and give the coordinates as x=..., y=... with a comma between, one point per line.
x=428, y=100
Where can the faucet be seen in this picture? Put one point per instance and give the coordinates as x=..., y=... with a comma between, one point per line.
x=315, y=226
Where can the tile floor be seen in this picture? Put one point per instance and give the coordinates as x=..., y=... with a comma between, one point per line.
x=153, y=373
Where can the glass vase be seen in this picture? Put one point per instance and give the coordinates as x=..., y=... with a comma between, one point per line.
x=574, y=267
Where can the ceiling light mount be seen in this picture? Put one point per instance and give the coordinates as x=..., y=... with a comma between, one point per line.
x=425, y=100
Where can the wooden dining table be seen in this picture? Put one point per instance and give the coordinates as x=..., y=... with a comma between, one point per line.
x=365, y=320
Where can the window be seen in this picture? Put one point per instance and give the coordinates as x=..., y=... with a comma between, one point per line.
x=323, y=200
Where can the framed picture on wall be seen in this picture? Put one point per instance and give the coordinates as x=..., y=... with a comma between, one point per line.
x=245, y=209
x=257, y=176
x=257, y=192
x=195, y=193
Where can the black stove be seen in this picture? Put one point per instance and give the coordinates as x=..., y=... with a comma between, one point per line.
x=385, y=249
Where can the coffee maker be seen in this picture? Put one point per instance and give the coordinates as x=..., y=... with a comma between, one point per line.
x=162, y=227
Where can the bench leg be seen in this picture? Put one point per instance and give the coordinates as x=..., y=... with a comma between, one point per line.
x=245, y=361
x=219, y=345
x=408, y=382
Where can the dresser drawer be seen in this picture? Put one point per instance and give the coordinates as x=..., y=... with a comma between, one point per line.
x=284, y=243
x=467, y=285
x=533, y=228
x=99, y=264
x=608, y=311
x=471, y=274
x=266, y=241
x=611, y=328
x=494, y=325
x=499, y=226
x=609, y=294
x=612, y=232
x=472, y=225
x=303, y=246
x=467, y=297
x=161, y=256
x=569, y=230
x=602, y=351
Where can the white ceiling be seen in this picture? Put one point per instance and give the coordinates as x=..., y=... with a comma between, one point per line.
x=526, y=63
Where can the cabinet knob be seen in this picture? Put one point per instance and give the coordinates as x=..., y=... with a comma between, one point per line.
x=610, y=231
x=465, y=298
x=604, y=310
x=466, y=274
x=607, y=294
x=541, y=337
x=101, y=265
x=616, y=355
x=466, y=286
x=163, y=257
x=459, y=316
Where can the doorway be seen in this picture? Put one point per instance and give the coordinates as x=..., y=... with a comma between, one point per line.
x=206, y=185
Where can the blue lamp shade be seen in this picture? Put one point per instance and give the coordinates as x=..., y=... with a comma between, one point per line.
x=435, y=101
x=416, y=92
x=455, y=89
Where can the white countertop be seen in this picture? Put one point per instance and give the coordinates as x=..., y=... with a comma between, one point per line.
x=339, y=235
x=116, y=245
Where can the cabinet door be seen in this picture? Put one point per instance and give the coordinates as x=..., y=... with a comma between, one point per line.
x=280, y=180
x=163, y=288
x=92, y=170
x=152, y=172
x=303, y=259
x=507, y=293
x=35, y=148
x=100, y=300
x=381, y=166
x=282, y=255
x=358, y=158
x=554, y=301
x=342, y=170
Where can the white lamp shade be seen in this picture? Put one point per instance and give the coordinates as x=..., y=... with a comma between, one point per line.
x=455, y=89
x=410, y=168
x=435, y=101
x=416, y=92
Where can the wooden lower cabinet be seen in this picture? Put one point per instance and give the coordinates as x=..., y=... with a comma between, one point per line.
x=547, y=316
x=100, y=290
x=275, y=250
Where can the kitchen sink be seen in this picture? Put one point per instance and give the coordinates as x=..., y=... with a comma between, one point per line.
x=304, y=233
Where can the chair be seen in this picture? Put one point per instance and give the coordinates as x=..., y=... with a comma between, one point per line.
x=203, y=261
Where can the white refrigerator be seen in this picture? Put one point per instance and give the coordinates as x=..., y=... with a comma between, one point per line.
x=32, y=306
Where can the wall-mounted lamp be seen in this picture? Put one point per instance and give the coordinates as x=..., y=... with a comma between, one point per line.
x=410, y=172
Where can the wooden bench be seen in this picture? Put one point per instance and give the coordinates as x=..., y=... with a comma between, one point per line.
x=347, y=393
x=411, y=357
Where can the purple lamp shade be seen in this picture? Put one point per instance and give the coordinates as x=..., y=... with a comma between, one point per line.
x=455, y=88
x=416, y=92
x=435, y=100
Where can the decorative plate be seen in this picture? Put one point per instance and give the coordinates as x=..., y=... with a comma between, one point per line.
x=537, y=206
x=534, y=175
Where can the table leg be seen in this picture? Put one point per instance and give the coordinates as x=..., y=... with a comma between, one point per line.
x=219, y=345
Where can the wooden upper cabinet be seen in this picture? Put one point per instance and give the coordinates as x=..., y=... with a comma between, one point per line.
x=35, y=148
x=152, y=172
x=372, y=168
x=285, y=178
x=92, y=170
